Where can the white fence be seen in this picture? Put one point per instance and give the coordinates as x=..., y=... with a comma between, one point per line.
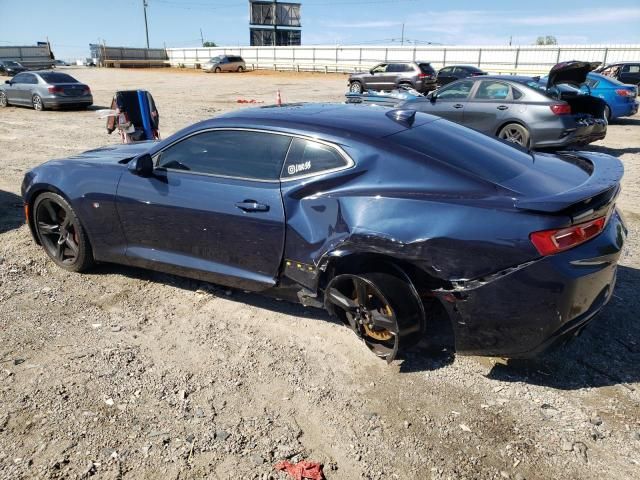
x=494, y=59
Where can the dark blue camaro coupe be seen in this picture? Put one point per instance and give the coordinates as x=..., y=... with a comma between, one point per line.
x=378, y=215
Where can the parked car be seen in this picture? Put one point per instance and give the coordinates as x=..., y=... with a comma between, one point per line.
x=625, y=72
x=456, y=72
x=60, y=63
x=45, y=89
x=386, y=76
x=225, y=63
x=620, y=99
x=381, y=216
x=514, y=109
x=10, y=68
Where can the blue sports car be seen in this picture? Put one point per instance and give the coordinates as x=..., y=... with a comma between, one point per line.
x=384, y=217
x=621, y=99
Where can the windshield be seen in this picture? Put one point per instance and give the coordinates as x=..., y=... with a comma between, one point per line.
x=55, y=77
x=11, y=63
x=215, y=59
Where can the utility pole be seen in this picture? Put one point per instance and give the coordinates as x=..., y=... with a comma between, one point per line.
x=402, y=36
x=510, y=39
x=201, y=38
x=275, y=22
x=146, y=25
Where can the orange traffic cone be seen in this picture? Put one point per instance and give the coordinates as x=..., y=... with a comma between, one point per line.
x=278, y=98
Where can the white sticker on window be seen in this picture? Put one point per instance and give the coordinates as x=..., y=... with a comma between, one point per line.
x=298, y=167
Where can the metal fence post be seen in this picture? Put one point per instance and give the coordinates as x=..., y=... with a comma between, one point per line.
x=414, y=54
x=558, y=57
x=479, y=57
x=360, y=57
x=606, y=53
x=386, y=54
x=444, y=57
x=517, y=58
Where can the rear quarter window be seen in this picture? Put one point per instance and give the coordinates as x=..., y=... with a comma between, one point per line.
x=307, y=157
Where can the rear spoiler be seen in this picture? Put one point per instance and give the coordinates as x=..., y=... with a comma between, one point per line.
x=603, y=185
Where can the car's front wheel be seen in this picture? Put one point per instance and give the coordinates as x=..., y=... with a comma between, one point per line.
x=515, y=133
x=60, y=233
x=607, y=113
x=36, y=101
x=3, y=99
x=240, y=69
x=217, y=70
x=355, y=87
x=382, y=309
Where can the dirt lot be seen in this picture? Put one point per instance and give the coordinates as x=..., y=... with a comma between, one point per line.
x=124, y=373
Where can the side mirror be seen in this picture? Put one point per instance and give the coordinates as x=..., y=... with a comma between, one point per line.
x=432, y=96
x=8, y=82
x=372, y=72
x=142, y=165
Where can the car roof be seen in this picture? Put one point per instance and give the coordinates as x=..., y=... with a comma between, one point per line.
x=336, y=119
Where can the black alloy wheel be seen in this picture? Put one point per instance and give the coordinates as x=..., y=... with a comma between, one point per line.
x=60, y=233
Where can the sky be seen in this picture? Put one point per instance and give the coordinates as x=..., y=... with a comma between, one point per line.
x=70, y=25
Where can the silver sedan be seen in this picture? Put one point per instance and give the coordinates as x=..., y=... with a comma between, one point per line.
x=45, y=89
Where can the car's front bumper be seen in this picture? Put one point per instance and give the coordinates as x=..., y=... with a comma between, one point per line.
x=527, y=309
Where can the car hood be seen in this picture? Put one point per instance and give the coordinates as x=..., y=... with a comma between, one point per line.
x=572, y=72
x=115, y=153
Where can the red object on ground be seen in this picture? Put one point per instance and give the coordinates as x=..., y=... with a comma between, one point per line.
x=278, y=98
x=301, y=470
x=253, y=100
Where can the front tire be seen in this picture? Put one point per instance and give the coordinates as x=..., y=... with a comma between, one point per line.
x=37, y=103
x=607, y=113
x=240, y=69
x=217, y=70
x=355, y=87
x=515, y=133
x=60, y=233
x=3, y=99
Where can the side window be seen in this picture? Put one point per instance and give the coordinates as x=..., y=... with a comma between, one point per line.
x=395, y=68
x=446, y=71
x=21, y=78
x=32, y=79
x=379, y=68
x=633, y=68
x=456, y=91
x=490, y=90
x=517, y=94
x=230, y=153
x=306, y=157
x=459, y=71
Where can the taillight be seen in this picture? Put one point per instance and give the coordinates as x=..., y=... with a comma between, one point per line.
x=425, y=75
x=86, y=89
x=549, y=242
x=561, y=109
x=624, y=93
x=56, y=89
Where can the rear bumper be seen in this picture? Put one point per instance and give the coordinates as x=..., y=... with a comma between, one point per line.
x=521, y=313
x=54, y=101
x=571, y=131
x=624, y=110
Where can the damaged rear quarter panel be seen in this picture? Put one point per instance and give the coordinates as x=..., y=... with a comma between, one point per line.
x=409, y=209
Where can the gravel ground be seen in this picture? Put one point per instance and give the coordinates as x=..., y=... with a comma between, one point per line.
x=125, y=373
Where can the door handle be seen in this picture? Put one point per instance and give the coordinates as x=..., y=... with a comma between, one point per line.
x=252, y=206
x=458, y=105
x=503, y=107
